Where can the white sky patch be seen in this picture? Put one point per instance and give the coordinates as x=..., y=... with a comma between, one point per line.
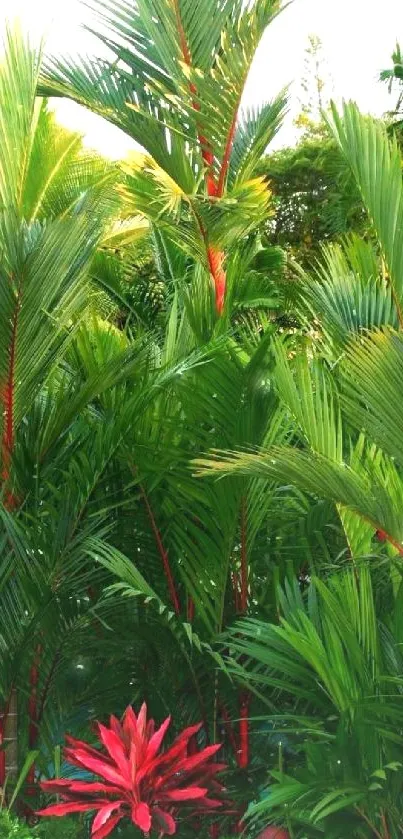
x=358, y=37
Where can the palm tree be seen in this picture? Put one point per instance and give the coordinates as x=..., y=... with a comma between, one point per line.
x=342, y=394
x=356, y=301
x=51, y=221
x=395, y=74
x=175, y=85
x=58, y=454
x=335, y=667
x=117, y=558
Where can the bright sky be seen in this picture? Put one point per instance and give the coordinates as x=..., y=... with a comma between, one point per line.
x=358, y=37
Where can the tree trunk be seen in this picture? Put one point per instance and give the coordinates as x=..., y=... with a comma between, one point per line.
x=11, y=736
x=9, y=739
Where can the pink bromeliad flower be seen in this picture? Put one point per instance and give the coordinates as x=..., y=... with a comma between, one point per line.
x=138, y=780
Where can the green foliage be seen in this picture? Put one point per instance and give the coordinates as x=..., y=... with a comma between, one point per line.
x=12, y=828
x=134, y=277
x=329, y=668
x=107, y=541
x=314, y=96
x=338, y=673
x=127, y=570
x=66, y=828
x=175, y=84
x=315, y=198
x=393, y=76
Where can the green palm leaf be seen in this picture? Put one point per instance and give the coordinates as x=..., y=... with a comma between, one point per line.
x=376, y=165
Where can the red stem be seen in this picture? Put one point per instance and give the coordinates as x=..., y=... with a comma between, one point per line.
x=2, y=752
x=215, y=257
x=228, y=727
x=243, y=752
x=207, y=152
x=227, y=154
x=215, y=261
x=385, y=828
x=182, y=36
x=8, y=432
x=163, y=553
x=7, y=397
x=3, y=723
x=385, y=537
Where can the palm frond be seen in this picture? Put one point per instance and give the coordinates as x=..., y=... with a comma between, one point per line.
x=376, y=165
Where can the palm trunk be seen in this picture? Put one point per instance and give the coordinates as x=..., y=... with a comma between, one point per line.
x=162, y=552
x=215, y=189
x=243, y=752
x=229, y=729
x=33, y=716
x=9, y=739
x=11, y=736
x=2, y=753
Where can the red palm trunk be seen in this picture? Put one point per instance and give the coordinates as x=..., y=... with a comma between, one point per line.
x=2, y=752
x=10, y=501
x=10, y=708
x=219, y=277
x=162, y=552
x=215, y=257
x=243, y=753
x=33, y=715
x=229, y=728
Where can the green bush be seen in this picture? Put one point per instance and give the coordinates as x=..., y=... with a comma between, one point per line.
x=13, y=828
x=60, y=829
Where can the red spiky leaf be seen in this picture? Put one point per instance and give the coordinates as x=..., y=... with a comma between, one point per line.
x=107, y=827
x=138, y=781
x=274, y=832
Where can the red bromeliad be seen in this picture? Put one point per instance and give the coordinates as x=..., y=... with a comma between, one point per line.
x=138, y=780
x=274, y=832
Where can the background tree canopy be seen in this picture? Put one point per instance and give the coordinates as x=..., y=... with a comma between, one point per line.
x=315, y=197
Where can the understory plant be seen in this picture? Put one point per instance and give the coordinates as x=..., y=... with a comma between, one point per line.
x=12, y=827
x=138, y=781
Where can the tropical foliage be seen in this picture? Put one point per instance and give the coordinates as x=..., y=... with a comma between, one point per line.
x=200, y=496
x=175, y=86
x=394, y=75
x=99, y=429
x=340, y=633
